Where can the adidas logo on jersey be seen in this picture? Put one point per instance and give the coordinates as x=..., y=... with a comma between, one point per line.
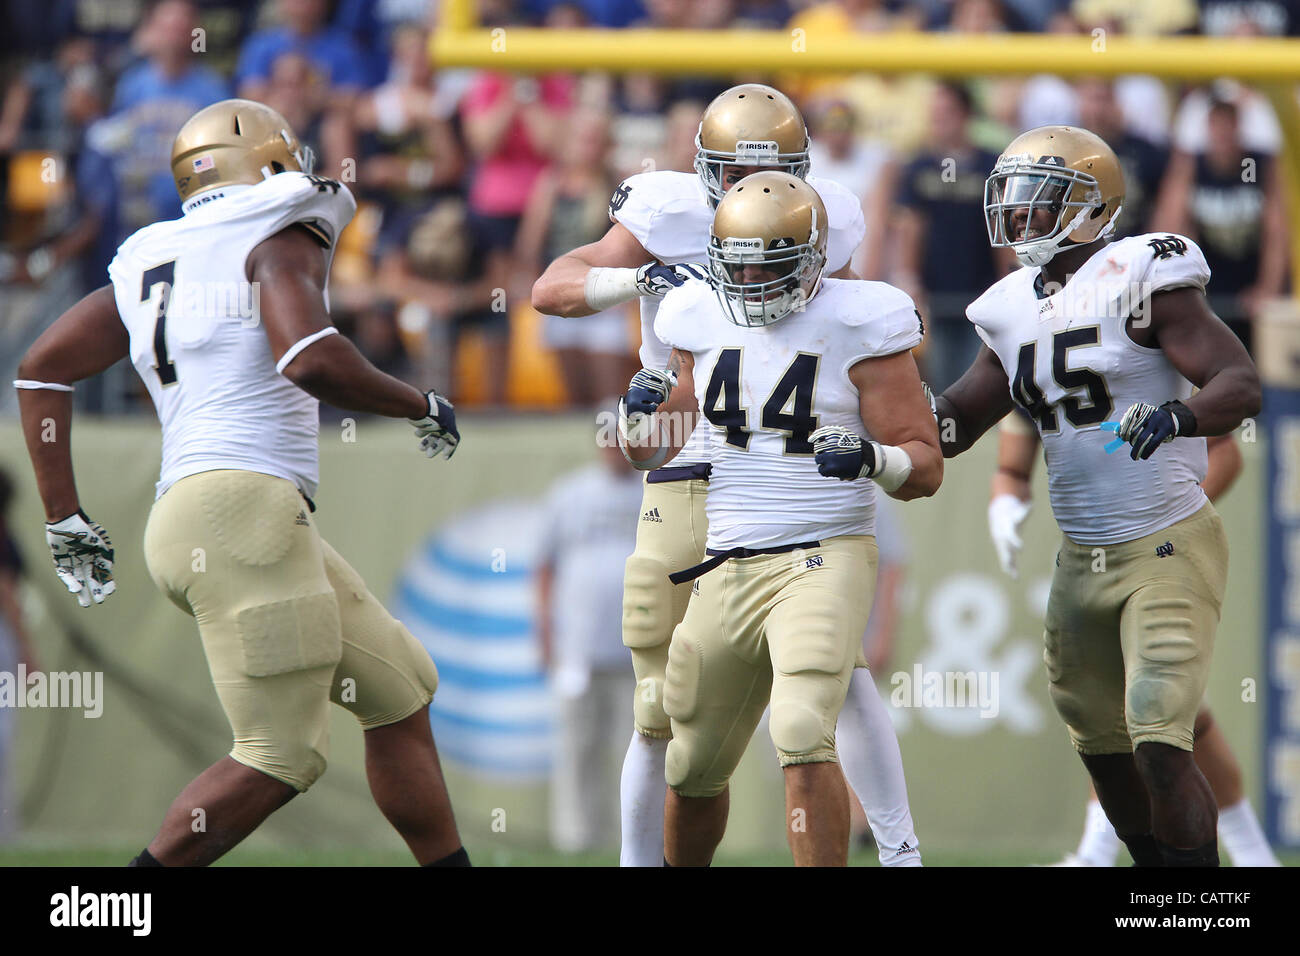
x=652, y=515
x=302, y=517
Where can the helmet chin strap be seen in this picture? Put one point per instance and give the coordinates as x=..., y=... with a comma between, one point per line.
x=1043, y=251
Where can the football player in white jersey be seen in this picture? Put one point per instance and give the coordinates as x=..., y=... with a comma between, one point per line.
x=1103, y=340
x=1009, y=506
x=224, y=314
x=795, y=376
x=661, y=228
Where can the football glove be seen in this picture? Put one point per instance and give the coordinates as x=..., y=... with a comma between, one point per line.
x=841, y=454
x=1146, y=427
x=929, y=397
x=1006, y=514
x=83, y=557
x=437, y=430
x=657, y=279
x=648, y=390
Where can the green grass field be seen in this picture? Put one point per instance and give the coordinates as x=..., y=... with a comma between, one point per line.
x=117, y=856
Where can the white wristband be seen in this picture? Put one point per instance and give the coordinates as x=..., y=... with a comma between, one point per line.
x=606, y=288
x=893, y=468
x=28, y=383
x=301, y=344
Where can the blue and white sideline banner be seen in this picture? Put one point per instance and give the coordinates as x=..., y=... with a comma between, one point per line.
x=468, y=596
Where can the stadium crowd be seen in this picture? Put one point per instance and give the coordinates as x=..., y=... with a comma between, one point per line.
x=470, y=182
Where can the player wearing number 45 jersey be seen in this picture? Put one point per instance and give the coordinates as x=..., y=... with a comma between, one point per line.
x=796, y=377
x=224, y=314
x=661, y=230
x=1103, y=344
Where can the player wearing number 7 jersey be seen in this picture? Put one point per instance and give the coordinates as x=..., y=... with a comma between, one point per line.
x=775, y=357
x=1094, y=339
x=225, y=316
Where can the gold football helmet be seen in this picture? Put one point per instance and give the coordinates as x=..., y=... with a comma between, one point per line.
x=767, y=247
x=1067, y=171
x=749, y=125
x=234, y=141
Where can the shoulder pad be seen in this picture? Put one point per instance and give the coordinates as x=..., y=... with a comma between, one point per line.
x=844, y=217
x=666, y=212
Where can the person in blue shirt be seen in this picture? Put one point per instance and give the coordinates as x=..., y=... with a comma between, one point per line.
x=304, y=30
x=154, y=98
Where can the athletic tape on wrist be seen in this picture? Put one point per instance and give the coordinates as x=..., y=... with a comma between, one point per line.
x=606, y=288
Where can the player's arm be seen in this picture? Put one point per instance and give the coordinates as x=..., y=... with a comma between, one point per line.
x=608, y=272
x=903, y=456
x=973, y=404
x=658, y=413
x=82, y=342
x=1209, y=355
x=1224, y=465
x=290, y=270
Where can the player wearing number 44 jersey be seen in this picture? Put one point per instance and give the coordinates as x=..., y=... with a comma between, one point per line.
x=1103, y=344
x=796, y=377
x=224, y=314
x=660, y=233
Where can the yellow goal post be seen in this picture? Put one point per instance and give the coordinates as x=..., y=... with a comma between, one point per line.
x=1270, y=65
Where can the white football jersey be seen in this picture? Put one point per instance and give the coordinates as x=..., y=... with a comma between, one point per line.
x=763, y=390
x=192, y=314
x=670, y=215
x=1071, y=364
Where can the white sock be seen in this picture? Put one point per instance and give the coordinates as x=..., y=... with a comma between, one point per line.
x=1100, y=845
x=873, y=765
x=641, y=801
x=1243, y=838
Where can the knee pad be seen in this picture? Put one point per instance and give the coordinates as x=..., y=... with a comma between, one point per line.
x=293, y=763
x=800, y=731
x=648, y=618
x=683, y=770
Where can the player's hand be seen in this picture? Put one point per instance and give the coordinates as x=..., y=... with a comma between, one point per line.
x=1146, y=427
x=1006, y=514
x=841, y=454
x=657, y=279
x=83, y=557
x=648, y=390
x=437, y=430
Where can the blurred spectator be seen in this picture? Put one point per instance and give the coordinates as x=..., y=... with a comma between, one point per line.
x=301, y=94
x=944, y=258
x=569, y=208
x=1143, y=162
x=1270, y=17
x=411, y=149
x=448, y=281
x=860, y=165
x=1228, y=198
x=373, y=26
x=1147, y=18
x=512, y=125
x=591, y=519
x=303, y=30
x=153, y=100
x=15, y=649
